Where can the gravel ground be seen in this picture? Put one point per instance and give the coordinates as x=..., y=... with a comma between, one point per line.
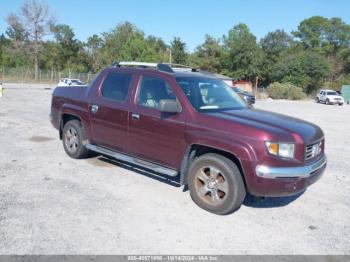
x=52, y=204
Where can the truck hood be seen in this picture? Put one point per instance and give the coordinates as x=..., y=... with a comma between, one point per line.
x=273, y=123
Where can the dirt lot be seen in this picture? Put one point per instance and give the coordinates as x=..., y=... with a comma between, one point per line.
x=51, y=204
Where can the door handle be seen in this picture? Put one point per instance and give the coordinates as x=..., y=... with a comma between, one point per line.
x=94, y=109
x=135, y=116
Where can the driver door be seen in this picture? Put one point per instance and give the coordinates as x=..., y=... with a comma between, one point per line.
x=156, y=136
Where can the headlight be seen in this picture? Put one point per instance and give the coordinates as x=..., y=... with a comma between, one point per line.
x=285, y=150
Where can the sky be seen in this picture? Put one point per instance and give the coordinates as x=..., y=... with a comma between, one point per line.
x=190, y=20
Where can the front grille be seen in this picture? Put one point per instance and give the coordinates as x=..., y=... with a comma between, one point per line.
x=312, y=150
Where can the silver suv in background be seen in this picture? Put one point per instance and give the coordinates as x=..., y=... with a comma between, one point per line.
x=70, y=82
x=329, y=97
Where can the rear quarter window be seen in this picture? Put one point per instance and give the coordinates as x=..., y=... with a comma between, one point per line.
x=116, y=86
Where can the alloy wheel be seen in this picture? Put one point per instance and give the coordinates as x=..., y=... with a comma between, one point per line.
x=71, y=139
x=211, y=185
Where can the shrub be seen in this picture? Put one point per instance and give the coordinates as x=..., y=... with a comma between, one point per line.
x=285, y=91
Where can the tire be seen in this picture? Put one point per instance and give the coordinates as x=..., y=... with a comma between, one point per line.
x=72, y=137
x=222, y=195
x=327, y=101
x=341, y=104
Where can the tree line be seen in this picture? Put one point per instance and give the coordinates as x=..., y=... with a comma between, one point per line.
x=316, y=54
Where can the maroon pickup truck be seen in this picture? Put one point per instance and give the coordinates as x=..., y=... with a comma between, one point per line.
x=189, y=124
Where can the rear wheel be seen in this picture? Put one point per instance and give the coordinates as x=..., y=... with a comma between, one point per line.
x=72, y=138
x=216, y=184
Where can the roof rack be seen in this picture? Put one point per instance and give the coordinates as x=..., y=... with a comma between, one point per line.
x=158, y=66
x=183, y=68
x=166, y=67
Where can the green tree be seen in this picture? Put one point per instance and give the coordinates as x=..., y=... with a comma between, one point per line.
x=345, y=56
x=178, y=51
x=156, y=50
x=243, y=56
x=32, y=21
x=82, y=61
x=64, y=34
x=68, y=46
x=338, y=35
x=17, y=46
x=4, y=56
x=276, y=42
x=330, y=37
x=127, y=42
x=326, y=35
x=51, y=58
x=305, y=69
x=94, y=45
x=15, y=31
x=312, y=31
x=124, y=42
x=208, y=55
x=274, y=45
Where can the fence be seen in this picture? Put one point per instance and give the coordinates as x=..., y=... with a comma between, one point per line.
x=26, y=75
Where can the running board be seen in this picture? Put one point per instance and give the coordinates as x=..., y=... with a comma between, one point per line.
x=133, y=160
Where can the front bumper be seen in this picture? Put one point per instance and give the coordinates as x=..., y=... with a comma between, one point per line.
x=291, y=172
x=284, y=181
x=336, y=101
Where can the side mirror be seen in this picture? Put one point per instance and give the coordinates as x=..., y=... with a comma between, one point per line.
x=169, y=106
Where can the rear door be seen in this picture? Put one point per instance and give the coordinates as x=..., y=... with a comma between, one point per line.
x=156, y=136
x=109, y=111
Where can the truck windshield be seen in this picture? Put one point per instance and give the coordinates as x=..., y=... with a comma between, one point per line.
x=209, y=94
x=332, y=93
x=77, y=82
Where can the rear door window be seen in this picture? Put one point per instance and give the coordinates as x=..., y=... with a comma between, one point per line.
x=116, y=86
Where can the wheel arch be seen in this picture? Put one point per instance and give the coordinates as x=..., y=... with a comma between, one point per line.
x=196, y=150
x=65, y=117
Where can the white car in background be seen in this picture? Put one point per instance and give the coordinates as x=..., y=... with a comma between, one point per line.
x=329, y=97
x=71, y=82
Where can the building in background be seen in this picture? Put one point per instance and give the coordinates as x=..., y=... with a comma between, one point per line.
x=244, y=85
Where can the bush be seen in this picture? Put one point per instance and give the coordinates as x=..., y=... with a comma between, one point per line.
x=285, y=91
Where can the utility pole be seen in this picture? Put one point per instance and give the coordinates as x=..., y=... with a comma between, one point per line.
x=1, y=90
x=170, y=58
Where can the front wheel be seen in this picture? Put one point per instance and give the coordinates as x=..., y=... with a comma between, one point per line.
x=327, y=101
x=216, y=184
x=72, y=138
